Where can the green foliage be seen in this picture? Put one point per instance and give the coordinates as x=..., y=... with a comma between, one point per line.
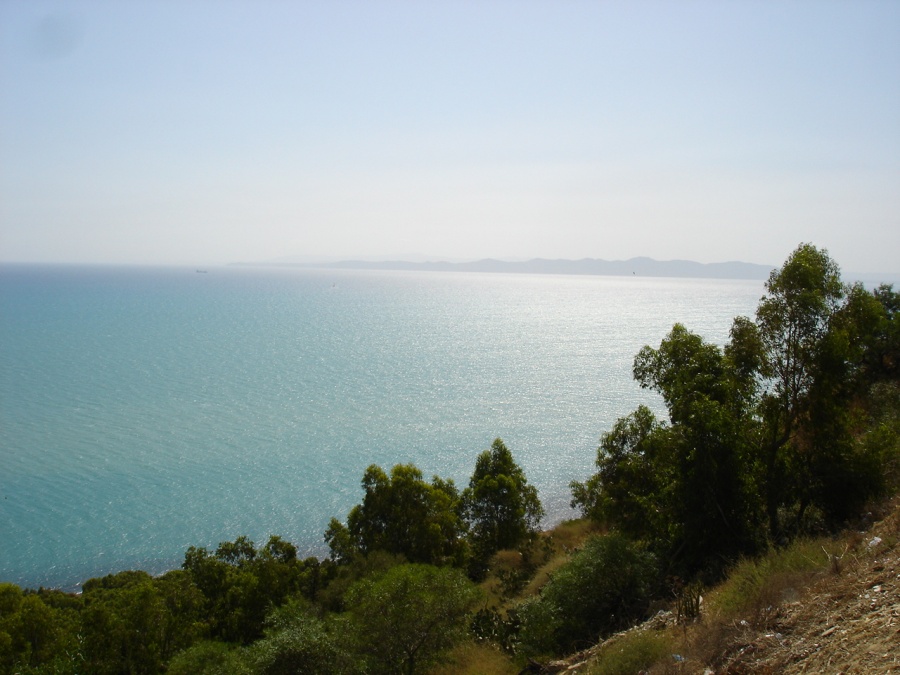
x=298, y=641
x=824, y=345
x=133, y=623
x=35, y=634
x=331, y=598
x=241, y=584
x=881, y=439
x=501, y=509
x=794, y=319
x=126, y=622
x=603, y=588
x=630, y=475
x=404, y=619
x=882, y=348
x=210, y=658
x=402, y=514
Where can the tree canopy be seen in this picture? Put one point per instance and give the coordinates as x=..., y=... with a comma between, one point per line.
x=402, y=514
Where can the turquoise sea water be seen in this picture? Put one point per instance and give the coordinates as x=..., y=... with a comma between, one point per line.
x=146, y=410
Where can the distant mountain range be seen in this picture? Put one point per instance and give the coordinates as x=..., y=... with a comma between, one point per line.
x=644, y=267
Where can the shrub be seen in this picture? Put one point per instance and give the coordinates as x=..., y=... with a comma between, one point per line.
x=297, y=641
x=603, y=588
x=403, y=620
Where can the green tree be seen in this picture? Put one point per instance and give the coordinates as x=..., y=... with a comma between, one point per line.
x=501, y=509
x=823, y=345
x=707, y=485
x=758, y=429
x=402, y=514
x=630, y=478
x=36, y=633
x=794, y=319
x=764, y=430
x=404, y=619
x=122, y=623
x=211, y=658
x=873, y=327
x=683, y=486
x=242, y=584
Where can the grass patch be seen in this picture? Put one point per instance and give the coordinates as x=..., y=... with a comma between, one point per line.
x=756, y=587
x=473, y=658
x=632, y=653
x=542, y=576
x=570, y=534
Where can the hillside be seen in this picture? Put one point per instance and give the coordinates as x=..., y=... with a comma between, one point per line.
x=842, y=615
x=846, y=621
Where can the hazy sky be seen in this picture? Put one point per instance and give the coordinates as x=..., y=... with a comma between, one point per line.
x=208, y=132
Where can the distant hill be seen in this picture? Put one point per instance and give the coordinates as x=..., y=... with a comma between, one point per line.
x=644, y=267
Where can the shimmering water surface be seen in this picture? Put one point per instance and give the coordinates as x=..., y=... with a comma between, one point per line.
x=143, y=410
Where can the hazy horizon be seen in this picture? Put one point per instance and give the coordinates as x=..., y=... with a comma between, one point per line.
x=849, y=275
x=201, y=133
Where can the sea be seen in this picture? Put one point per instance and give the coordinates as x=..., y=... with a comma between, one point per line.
x=146, y=410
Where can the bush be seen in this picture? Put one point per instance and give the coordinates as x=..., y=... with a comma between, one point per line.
x=604, y=587
x=297, y=641
x=404, y=619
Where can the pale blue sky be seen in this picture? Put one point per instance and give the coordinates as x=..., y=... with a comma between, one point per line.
x=209, y=132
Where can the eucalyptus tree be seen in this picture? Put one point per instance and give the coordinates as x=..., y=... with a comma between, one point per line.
x=794, y=318
x=500, y=508
x=681, y=484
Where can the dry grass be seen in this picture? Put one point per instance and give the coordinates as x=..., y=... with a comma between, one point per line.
x=542, y=576
x=512, y=575
x=561, y=541
x=474, y=658
x=632, y=653
x=570, y=534
x=756, y=586
x=806, y=607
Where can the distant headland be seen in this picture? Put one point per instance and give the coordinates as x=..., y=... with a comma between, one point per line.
x=642, y=266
